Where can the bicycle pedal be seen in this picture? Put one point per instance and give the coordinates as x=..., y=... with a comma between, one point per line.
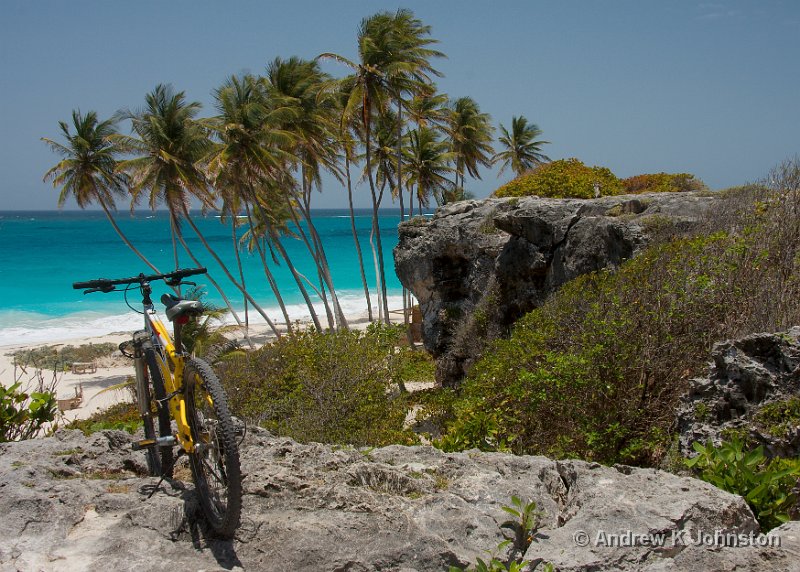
x=168, y=441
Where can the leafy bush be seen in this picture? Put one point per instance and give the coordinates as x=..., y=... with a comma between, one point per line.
x=565, y=178
x=331, y=387
x=662, y=183
x=597, y=370
x=22, y=414
x=766, y=484
x=121, y=416
x=779, y=417
x=59, y=359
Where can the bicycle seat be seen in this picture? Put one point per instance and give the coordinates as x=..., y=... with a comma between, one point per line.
x=177, y=307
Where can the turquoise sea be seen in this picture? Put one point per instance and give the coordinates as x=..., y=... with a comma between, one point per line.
x=43, y=252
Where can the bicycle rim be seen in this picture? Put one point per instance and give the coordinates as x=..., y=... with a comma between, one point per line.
x=215, y=463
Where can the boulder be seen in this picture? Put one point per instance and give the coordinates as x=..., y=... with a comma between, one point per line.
x=478, y=266
x=71, y=502
x=752, y=391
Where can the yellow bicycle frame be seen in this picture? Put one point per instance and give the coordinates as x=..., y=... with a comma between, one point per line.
x=172, y=376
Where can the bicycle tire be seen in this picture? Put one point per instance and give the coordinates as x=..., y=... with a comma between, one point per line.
x=215, y=466
x=164, y=454
x=151, y=455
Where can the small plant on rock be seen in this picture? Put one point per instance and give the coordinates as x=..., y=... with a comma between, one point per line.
x=524, y=526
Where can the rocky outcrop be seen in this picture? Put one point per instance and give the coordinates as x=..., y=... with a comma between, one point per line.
x=752, y=391
x=477, y=266
x=75, y=503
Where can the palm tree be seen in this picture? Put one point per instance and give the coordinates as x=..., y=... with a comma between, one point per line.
x=393, y=60
x=470, y=134
x=297, y=86
x=170, y=146
x=429, y=108
x=348, y=131
x=88, y=170
x=522, y=150
x=410, y=83
x=242, y=160
x=428, y=160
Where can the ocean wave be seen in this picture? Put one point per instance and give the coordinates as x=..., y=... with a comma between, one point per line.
x=23, y=328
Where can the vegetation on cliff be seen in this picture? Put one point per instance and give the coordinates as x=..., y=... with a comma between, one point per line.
x=596, y=372
x=570, y=178
x=662, y=183
x=566, y=178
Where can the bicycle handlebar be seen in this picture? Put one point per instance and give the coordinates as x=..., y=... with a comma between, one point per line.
x=107, y=284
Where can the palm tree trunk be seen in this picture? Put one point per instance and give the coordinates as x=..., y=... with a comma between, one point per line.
x=174, y=230
x=210, y=279
x=298, y=278
x=247, y=295
x=124, y=238
x=273, y=284
x=355, y=234
x=322, y=261
x=410, y=201
x=400, y=156
x=381, y=317
x=406, y=324
x=275, y=240
x=311, y=250
x=375, y=224
x=236, y=252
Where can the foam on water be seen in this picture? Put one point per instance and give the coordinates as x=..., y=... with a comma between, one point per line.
x=42, y=253
x=23, y=328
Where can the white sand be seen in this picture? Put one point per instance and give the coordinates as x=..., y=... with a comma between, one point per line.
x=110, y=371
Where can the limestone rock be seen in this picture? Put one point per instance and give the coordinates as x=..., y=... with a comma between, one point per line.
x=75, y=503
x=477, y=266
x=746, y=376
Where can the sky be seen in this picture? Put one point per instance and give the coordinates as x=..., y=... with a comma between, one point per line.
x=638, y=86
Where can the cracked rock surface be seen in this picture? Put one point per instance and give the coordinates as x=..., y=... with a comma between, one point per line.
x=70, y=502
x=748, y=377
x=501, y=258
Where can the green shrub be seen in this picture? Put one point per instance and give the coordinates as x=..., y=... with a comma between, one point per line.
x=59, y=359
x=766, y=484
x=780, y=417
x=121, y=416
x=662, y=183
x=597, y=370
x=22, y=414
x=565, y=178
x=330, y=387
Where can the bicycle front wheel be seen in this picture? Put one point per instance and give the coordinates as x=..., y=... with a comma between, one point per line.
x=215, y=461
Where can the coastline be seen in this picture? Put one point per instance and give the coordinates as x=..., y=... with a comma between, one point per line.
x=116, y=369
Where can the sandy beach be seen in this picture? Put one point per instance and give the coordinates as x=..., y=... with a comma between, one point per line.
x=112, y=370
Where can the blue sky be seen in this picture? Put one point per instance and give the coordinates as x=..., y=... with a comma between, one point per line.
x=638, y=86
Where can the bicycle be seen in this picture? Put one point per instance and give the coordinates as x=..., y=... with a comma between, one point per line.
x=175, y=386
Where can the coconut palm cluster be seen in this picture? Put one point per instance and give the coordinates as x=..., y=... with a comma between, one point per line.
x=260, y=158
